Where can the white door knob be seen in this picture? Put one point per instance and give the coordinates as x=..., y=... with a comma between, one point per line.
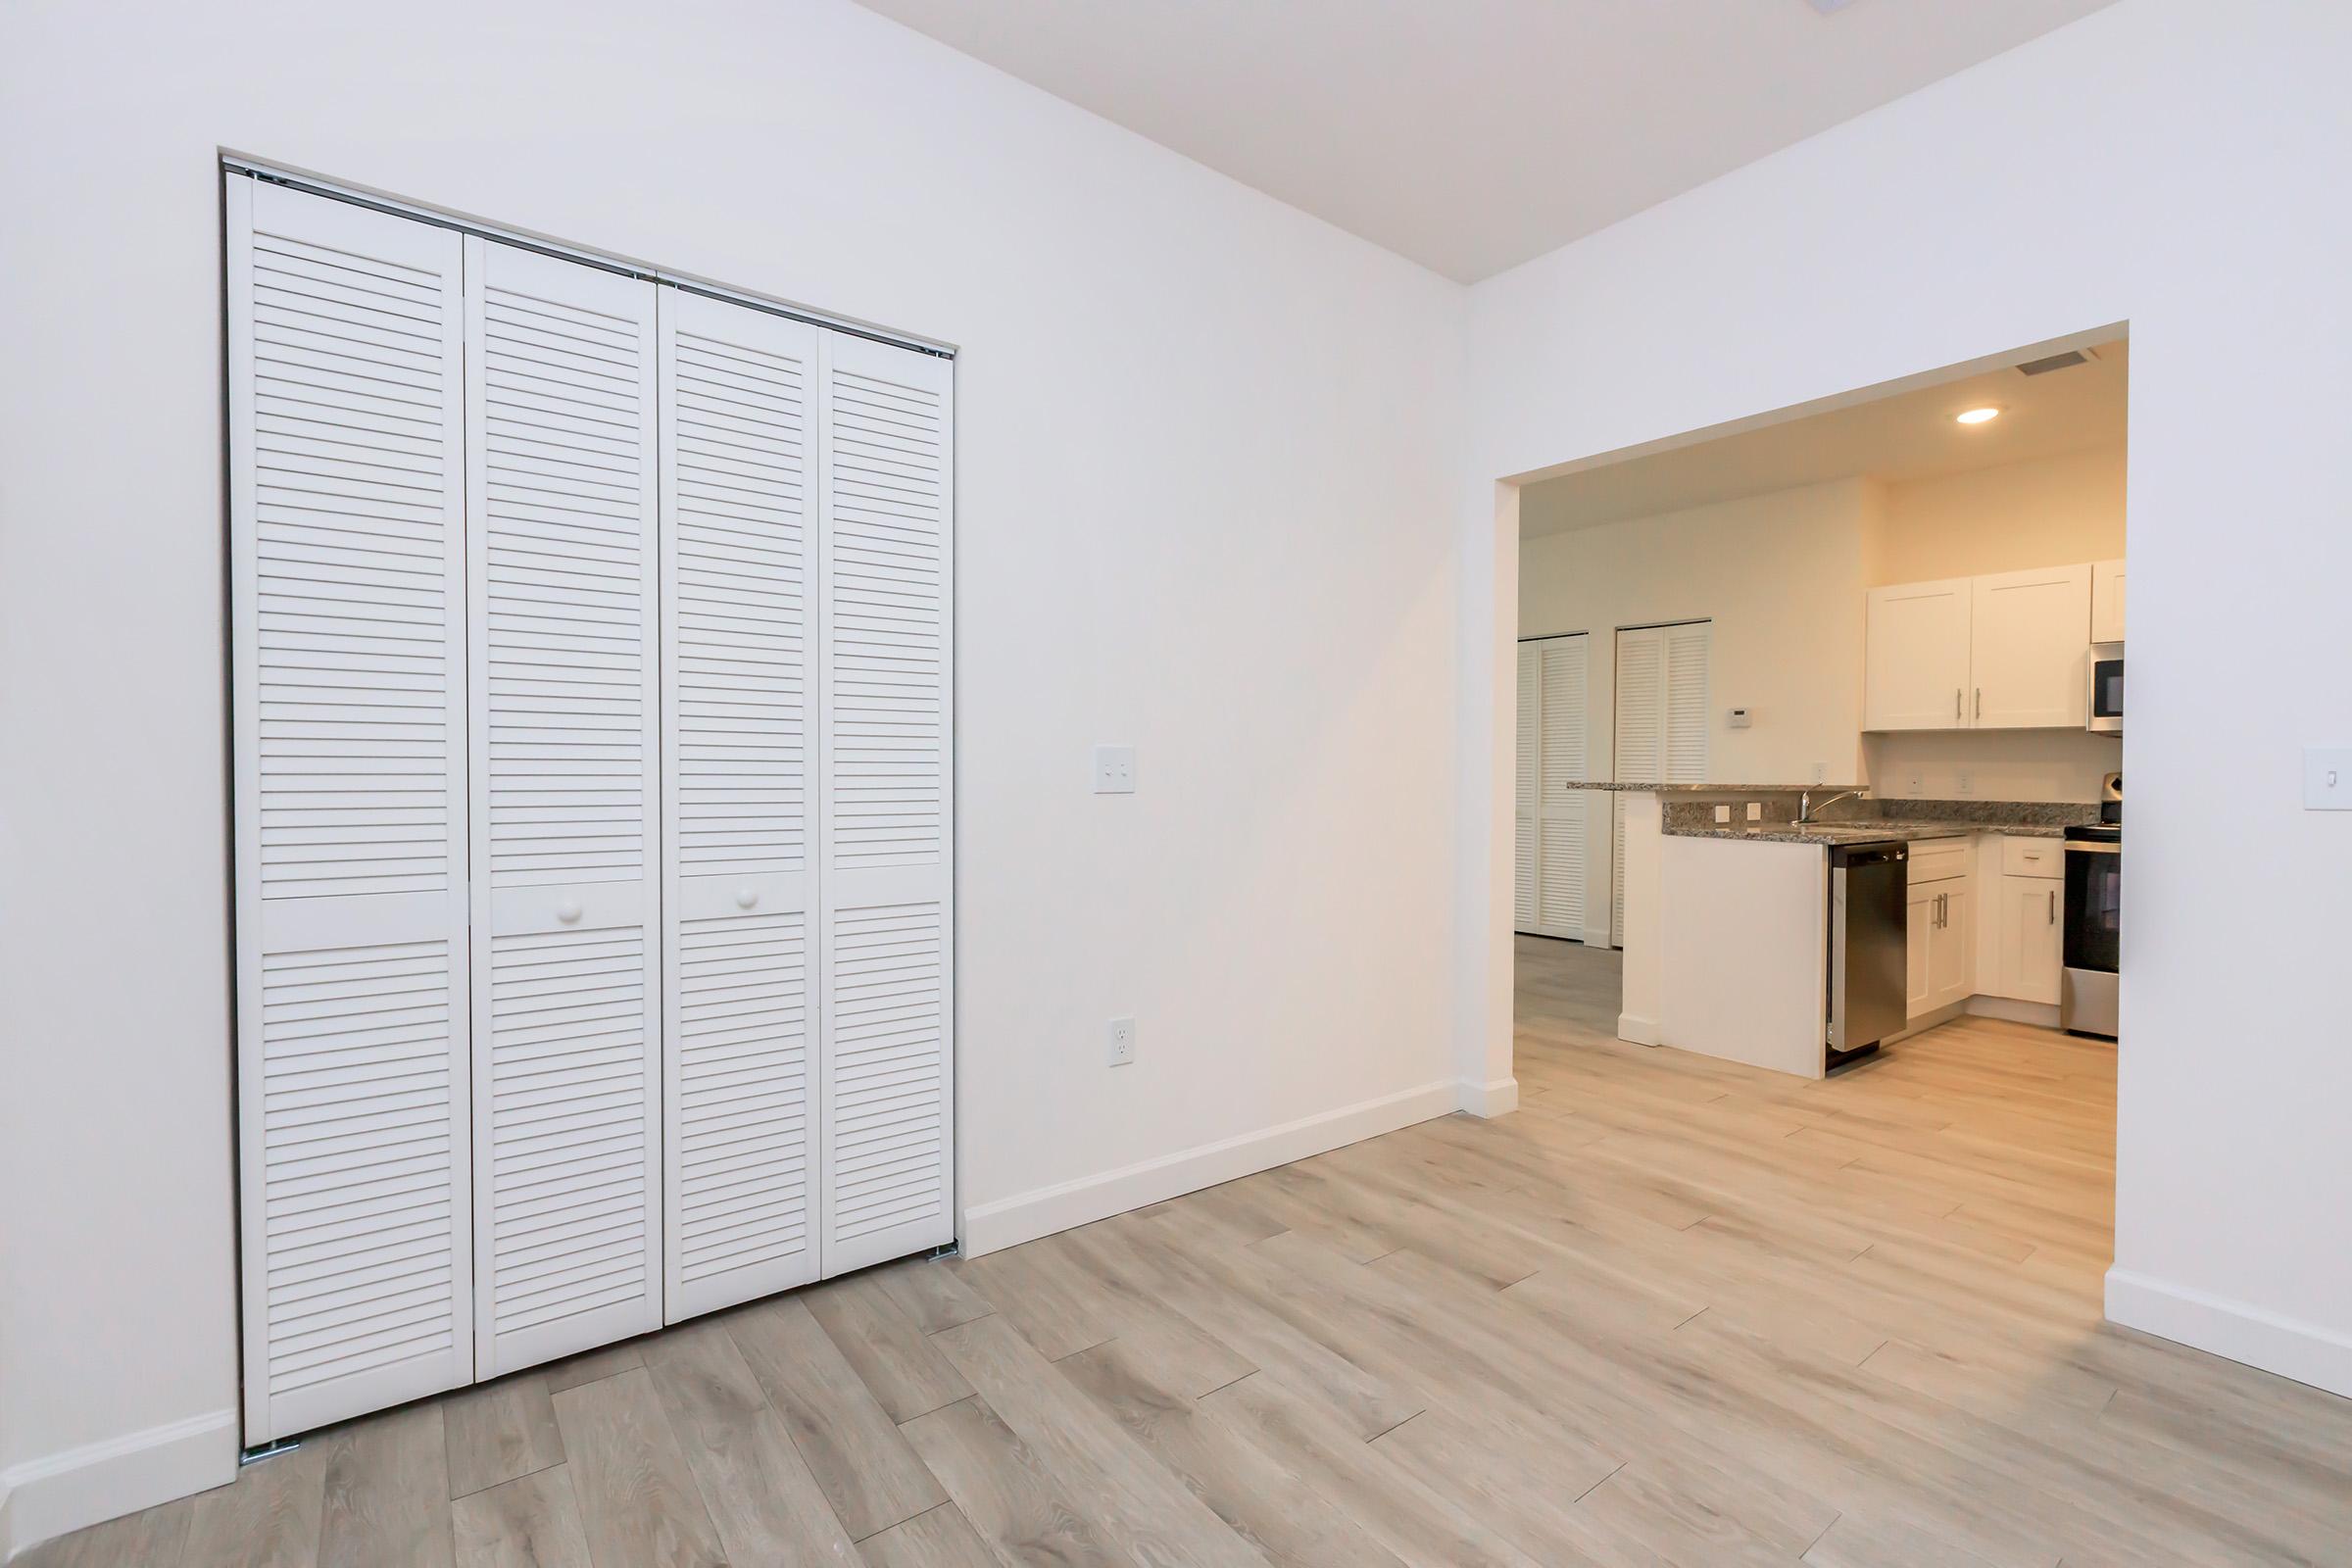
x=568, y=910
x=745, y=898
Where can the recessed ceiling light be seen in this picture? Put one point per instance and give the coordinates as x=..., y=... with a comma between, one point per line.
x=1977, y=415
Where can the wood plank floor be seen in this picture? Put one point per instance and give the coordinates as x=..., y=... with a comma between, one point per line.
x=1673, y=1311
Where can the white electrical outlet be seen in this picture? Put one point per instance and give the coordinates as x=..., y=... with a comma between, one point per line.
x=1722, y=813
x=1755, y=810
x=1915, y=782
x=1114, y=770
x=1820, y=772
x=1964, y=783
x=1122, y=1042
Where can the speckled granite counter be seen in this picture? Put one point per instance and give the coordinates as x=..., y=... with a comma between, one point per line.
x=1861, y=821
x=1708, y=789
x=1865, y=832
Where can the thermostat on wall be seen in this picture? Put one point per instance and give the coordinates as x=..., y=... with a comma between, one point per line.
x=1737, y=718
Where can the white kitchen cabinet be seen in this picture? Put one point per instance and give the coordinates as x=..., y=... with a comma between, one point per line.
x=2011, y=650
x=2107, y=601
x=1916, y=675
x=1920, y=908
x=1940, y=963
x=1952, y=948
x=2025, y=939
x=2030, y=649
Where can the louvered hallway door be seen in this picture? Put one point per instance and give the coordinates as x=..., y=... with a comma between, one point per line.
x=562, y=504
x=347, y=586
x=884, y=881
x=1560, y=810
x=740, y=1204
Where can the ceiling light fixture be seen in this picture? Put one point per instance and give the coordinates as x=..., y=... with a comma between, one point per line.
x=1977, y=415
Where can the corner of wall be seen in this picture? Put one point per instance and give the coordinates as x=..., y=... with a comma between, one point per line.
x=1499, y=1097
x=2237, y=1330
x=42, y=1498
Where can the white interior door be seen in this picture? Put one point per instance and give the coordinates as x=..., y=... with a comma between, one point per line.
x=1557, y=670
x=1528, y=778
x=1662, y=686
x=738, y=386
x=348, y=638
x=884, y=883
x=560, y=524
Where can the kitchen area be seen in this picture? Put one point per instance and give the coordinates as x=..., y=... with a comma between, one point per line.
x=1860, y=775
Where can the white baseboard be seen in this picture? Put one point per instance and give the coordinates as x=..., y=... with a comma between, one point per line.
x=1025, y=1216
x=1497, y=1098
x=1637, y=1029
x=64, y=1491
x=2303, y=1351
x=1597, y=937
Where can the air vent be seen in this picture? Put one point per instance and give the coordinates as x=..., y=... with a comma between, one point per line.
x=2057, y=361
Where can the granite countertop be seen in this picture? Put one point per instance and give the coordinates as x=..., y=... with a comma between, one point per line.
x=1710, y=789
x=1863, y=832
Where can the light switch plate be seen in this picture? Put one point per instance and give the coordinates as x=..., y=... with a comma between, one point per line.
x=1755, y=810
x=2327, y=779
x=1114, y=770
x=1722, y=813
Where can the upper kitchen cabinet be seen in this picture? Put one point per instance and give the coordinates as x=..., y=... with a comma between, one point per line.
x=2107, y=601
x=1916, y=674
x=2004, y=652
x=2030, y=649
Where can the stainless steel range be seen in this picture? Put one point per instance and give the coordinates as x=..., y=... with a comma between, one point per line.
x=2087, y=993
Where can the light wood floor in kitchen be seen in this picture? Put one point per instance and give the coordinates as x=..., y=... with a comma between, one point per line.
x=1672, y=1311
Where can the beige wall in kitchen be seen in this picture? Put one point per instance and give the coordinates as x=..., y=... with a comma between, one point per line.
x=2050, y=512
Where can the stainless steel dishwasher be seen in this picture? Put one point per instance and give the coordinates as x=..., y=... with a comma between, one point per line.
x=1868, y=1000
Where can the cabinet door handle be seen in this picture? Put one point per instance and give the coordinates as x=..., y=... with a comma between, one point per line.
x=1958, y=711
x=1979, y=703
x=2053, y=905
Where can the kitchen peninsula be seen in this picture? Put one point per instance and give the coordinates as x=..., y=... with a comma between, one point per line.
x=1725, y=896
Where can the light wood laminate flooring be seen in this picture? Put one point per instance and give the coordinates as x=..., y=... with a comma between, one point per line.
x=1672, y=1311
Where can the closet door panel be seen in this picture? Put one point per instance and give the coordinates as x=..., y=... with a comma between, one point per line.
x=886, y=938
x=562, y=539
x=346, y=465
x=738, y=390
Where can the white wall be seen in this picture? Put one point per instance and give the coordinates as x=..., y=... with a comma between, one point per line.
x=2178, y=165
x=1205, y=466
x=1780, y=577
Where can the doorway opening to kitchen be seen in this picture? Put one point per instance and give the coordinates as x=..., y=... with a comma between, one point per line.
x=1817, y=870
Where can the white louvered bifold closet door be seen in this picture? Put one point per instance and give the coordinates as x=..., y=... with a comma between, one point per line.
x=884, y=881
x=739, y=957
x=1560, y=818
x=346, y=484
x=560, y=521
x=1525, y=865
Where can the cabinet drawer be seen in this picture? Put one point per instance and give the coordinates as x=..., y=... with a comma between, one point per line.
x=1939, y=860
x=2032, y=857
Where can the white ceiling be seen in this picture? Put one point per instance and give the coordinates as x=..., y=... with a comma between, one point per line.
x=1910, y=435
x=1472, y=135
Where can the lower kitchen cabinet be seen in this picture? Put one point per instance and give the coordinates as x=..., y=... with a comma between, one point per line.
x=1939, y=949
x=2027, y=953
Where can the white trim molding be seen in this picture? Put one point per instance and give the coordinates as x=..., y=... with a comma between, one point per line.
x=1497, y=1098
x=1026, y=1216
x=2237, y=1330
x=1636, y=1029
x=60, y=1493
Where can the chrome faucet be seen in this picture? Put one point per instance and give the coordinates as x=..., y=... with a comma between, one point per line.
x=1805, y=803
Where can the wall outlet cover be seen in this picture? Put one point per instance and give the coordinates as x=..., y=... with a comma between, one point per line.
x=2327, y=779
x=1964, y=783
x=1722, y=813
x=1114, y=770
x=1755, y=810
x=1121, y=1044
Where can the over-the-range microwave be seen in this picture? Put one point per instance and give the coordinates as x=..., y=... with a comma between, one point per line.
x=2106, y=688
